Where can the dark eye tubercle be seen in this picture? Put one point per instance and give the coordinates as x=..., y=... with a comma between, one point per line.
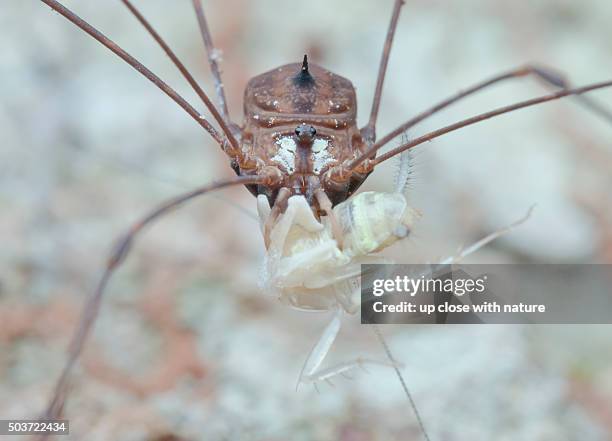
x=305, y=134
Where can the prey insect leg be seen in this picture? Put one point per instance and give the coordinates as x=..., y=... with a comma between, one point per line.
x=464, y=252
x=311, y=372
x=320, y=349
x=117, y=256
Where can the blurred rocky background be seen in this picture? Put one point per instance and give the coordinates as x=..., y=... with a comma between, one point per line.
x=187, y=347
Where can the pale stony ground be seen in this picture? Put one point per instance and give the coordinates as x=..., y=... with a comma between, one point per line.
x=187, y=347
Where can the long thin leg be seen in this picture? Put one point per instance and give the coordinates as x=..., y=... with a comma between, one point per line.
x=369, y=131
x=321, y=348
x=117, y=256
x=186, y=74
x=143, y=70
x=213, y=58
x=548, y=76
x=343, y=369
x=347, y=169
x=464, y=252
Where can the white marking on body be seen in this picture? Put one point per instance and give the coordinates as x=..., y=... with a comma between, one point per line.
x=320, y=156
x=285, y=155
x=287, y=143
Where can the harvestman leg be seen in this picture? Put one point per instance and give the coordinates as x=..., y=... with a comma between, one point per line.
x=213, y=60
x=228, y=143
x=548, y=76
x=369, y=131
x=116, y=258
x=342, y=172
x=222, y=120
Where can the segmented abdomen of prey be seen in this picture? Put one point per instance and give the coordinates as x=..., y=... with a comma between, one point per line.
x=305, y=267
x=372, y=221
x=278, y=101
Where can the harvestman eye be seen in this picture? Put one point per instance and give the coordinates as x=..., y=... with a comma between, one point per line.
x=305, y=132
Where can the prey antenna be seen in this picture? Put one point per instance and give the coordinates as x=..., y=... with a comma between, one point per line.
x=469, y=121
x=370, y=129
x=116, y=258
x=394, y=363
x=143, y=70
x=186, y=74
x=212, y=58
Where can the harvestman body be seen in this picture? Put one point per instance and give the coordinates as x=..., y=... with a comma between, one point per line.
x=302, y=154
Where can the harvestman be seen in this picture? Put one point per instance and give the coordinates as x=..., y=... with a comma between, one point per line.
x=302, y=154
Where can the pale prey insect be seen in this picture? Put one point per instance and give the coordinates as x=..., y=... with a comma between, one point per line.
x=299, y=151
x=314, y=265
